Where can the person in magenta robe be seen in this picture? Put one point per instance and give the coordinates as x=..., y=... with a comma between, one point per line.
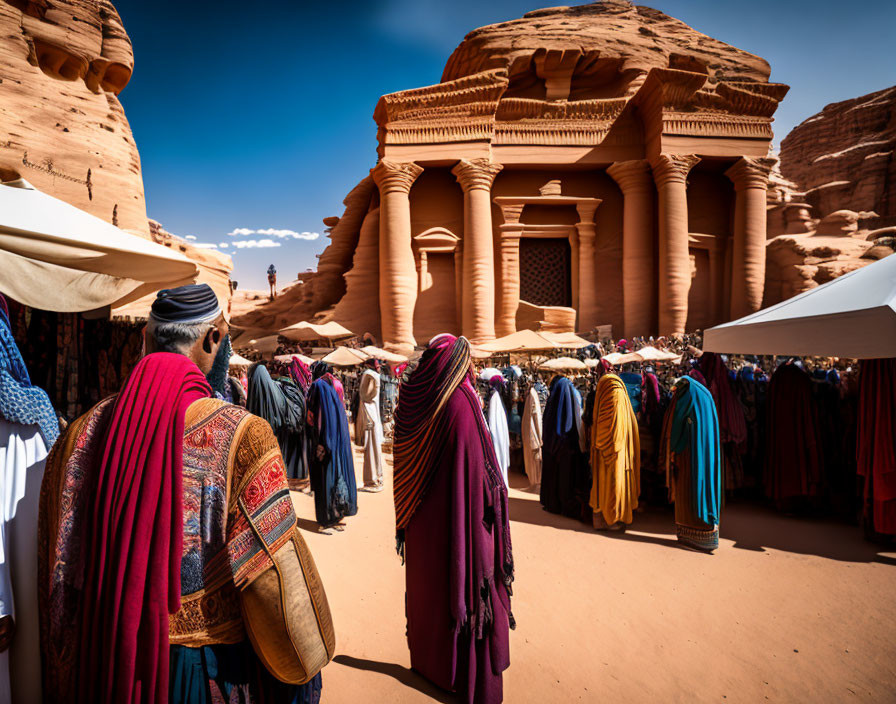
x=452, y=527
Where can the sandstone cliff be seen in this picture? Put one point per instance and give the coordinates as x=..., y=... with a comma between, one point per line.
x=62, y=66
x=62, y=127
x=844, y=157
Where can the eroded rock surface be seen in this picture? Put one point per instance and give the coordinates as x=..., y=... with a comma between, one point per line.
x=844, y=157
x=62, y=65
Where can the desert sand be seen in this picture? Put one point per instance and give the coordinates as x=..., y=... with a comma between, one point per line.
x=787, y=610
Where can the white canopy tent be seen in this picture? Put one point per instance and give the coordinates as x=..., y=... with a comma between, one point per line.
x=852, y=316
x=304, y=331
x=346, y=357
x=54, y=256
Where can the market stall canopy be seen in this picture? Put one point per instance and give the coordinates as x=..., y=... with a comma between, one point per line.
x=489, y=372
x=615, y=358
x=346, y=357
x=652, y=354
x=54, y=256
x=383, y=355
x=520, y=341
x=567, y=340
x=287, y=358
x=312, y=331
x=564, y=363
x=237, y=360
x=852, y=316
x=265, y=345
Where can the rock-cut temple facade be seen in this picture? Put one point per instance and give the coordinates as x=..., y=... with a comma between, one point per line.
x=582, y=166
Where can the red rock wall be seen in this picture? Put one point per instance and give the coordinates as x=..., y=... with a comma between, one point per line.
x=62, y=127
x=845, y=157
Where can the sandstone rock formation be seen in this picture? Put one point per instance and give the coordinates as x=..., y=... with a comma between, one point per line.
x=62, y=128
x=832, y=199
x=844, y=158
x=63, y=64
x=530, y=177
x=836, y=246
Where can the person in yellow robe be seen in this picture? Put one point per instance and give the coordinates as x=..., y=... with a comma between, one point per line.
x=615, y=456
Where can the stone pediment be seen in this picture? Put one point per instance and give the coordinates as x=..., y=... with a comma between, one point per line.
x=576, y=76
x=436, y=238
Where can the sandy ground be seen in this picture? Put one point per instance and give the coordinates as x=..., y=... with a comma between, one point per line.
x=787, y=610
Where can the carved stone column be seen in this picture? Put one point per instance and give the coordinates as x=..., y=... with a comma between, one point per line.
x=750, y=178
x=638, y=248
x=587, y=233
x=398, y=271
x=670, y=172
x=475, y=177
x=508, y=288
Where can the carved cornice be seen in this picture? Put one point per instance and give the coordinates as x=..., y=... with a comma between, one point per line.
x=669, y=168
x=703, y=124
x=748, y=172
x=395, y=176
x=476, y=173
x=527, y=108
x=471, y=95
x=632, y=176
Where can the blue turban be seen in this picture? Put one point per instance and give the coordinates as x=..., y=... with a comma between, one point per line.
x=194, y=303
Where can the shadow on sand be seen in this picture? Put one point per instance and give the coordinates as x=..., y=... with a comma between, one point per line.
x=405, y=675
x=750, y=525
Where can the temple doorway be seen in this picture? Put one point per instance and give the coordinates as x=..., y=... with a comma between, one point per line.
x=546, y=271
x=436, y=309
x=701, y=295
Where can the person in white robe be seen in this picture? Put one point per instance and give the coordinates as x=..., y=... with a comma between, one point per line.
x=532, y=439
x=28, y=428
x=370, y=429
x=497, y=426
x=23, y=454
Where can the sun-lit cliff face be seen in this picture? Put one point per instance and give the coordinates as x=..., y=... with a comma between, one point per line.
x=63, y=64
x=62, y=128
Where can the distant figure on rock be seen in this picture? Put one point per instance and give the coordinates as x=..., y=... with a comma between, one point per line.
x=272, y=280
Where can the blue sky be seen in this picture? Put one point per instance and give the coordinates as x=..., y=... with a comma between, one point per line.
x=257, y=116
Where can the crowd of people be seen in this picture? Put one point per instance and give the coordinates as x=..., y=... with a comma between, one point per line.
x=156, y=550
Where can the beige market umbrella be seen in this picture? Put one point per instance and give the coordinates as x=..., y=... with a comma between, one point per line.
x=54, y=256
x=520, y=341
x=346, y=357
x=383, y=355
x=567, y=340
x=652, y=354
x=237, y=360
x=304, y=330
x=564, y=364
x=287, y=358
x=615, y=358
x=265, y=345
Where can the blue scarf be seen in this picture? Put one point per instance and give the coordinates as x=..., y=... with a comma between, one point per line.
x=217, y=377
x=559, y=415
x=20, y=402
x=695, y=426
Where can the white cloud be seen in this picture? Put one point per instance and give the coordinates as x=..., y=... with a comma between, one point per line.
x=205, y=245
x=274, y=232
x=190, y=237
x=252, y=244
